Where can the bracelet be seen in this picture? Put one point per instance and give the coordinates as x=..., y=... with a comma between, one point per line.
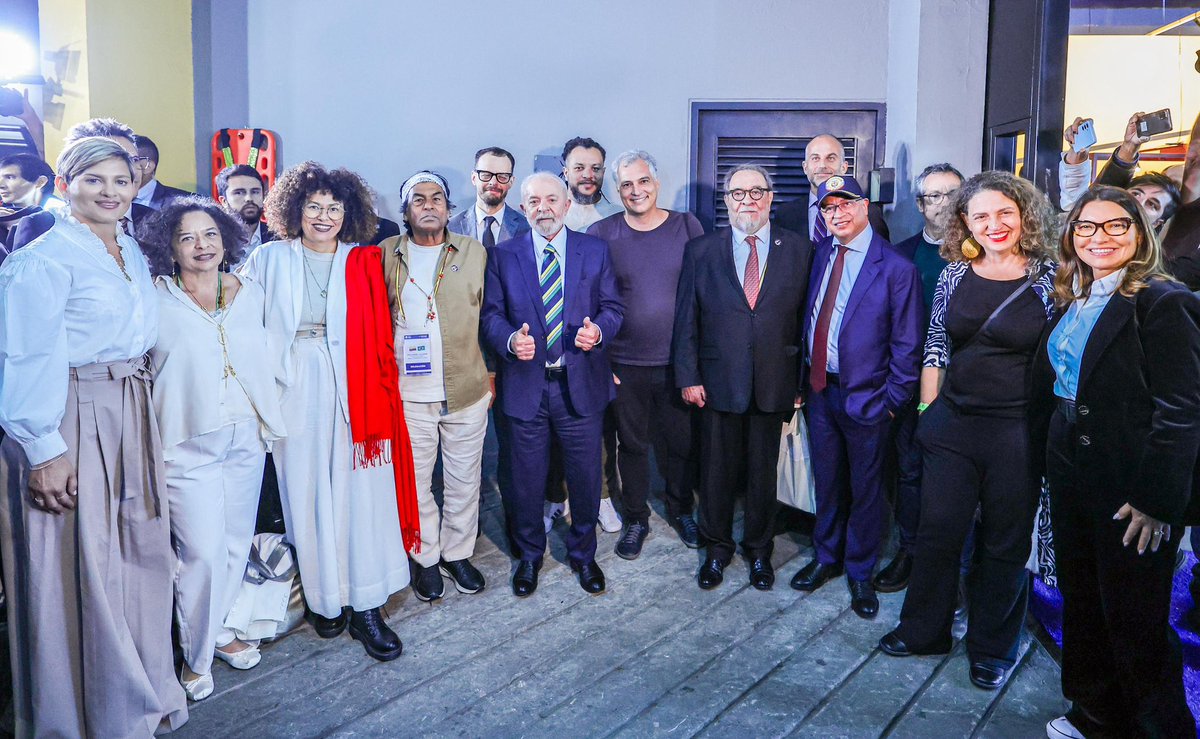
x=921, y=407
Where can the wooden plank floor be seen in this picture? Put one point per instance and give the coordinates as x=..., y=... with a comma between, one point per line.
x=654, y=656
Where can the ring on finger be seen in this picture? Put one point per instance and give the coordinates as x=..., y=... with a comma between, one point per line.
x=1158, y=533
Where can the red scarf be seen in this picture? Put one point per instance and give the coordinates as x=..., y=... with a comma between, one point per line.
x=377, y=424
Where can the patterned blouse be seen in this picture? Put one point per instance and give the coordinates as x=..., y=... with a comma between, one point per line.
x=937, y=342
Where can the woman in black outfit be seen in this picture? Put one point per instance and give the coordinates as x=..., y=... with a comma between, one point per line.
x=989, y=310
x=1124, y=361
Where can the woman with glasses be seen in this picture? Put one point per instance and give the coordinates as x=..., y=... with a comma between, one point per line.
x=1122, y=359
x=346, y=464
x=989, y=310
x=84, y=524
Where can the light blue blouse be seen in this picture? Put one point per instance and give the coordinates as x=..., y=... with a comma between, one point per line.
x=1070, y=336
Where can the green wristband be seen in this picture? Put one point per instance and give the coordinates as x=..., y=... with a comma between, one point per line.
x=921, y=407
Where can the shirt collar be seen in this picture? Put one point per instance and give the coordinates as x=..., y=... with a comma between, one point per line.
x=929, y=239
x=860, y=242
x=1106, y=286
x=559, y=242
x=480, y=214
x=763, y=234
x=146, y=191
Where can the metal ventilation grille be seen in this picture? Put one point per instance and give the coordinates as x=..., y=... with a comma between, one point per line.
x=783, y=157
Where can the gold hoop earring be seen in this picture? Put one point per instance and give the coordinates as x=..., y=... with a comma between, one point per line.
x=970, y=249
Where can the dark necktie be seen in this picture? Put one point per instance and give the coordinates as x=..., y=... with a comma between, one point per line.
x=489, y=238
x=750, y=279
x=820, y=230
x=551, y=281
x=820, y=346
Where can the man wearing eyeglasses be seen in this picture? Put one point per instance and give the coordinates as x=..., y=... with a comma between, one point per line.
x=824, y=157
x=864, y=341
x=490, y=220
x=936, y=187
x=152, y=193
x=583, y=169
x=737, y=351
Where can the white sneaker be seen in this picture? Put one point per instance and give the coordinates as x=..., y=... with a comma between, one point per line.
x=1062, y=728
x=243, y=660
x=551, y=512
x=199, y=688
x=610, y=520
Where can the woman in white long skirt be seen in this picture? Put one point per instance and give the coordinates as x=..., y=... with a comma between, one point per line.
x=217, y=411
x=339, y=500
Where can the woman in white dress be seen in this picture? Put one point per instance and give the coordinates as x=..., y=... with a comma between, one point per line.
x=337, y=486
x=84, y=523
x=217, y=410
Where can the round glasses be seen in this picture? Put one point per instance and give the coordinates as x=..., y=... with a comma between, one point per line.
x=335, y=212
x=755, y=193
x=1112, y=227
x=502, y=177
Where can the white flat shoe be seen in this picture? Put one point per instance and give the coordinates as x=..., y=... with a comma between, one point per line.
x=243, y=660
x=1062, y=728
x=198, y=689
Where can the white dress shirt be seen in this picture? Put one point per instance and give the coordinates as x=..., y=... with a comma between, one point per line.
x=145, y=193
x=741, y=252
x=856, y=254
x=64, y=302
x=481, y=215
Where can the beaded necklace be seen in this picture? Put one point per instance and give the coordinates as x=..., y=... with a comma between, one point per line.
x=220, y=292
x=430, y=314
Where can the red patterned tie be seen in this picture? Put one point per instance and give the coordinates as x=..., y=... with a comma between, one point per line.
x=820, y=345
x=750, y=279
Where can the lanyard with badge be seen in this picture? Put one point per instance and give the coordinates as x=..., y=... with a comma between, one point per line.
x=416, y=350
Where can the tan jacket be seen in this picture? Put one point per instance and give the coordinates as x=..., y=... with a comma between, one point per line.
x=459, y=299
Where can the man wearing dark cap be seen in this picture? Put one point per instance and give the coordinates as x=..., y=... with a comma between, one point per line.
x=863, y=341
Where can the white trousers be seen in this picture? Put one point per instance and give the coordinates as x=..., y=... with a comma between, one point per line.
x=212, y=483
x=341, y=520
x=460, y=435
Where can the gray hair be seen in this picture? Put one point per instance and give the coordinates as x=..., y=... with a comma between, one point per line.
x=940, y=168
x=529, y=180
x=85, y=153
x=748, y=168
x=626, y=158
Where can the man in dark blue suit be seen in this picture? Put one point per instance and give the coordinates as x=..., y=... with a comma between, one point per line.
x=550, y=300
x=864, y=335
x=736, y=349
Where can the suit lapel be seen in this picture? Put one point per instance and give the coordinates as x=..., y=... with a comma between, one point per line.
x=1113, y=318
x=574, y=270
x=511, y=223
x=822, y=265
x=531, y=270
x=731, y=268
x=862, y=283
x=774, y=266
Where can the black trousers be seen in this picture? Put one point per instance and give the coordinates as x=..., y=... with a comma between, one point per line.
x=1122, y=667
x=650, y=414
x=736, y=447
x=972, y=463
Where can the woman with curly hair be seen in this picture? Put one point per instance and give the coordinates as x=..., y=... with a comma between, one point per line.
x=345, y=471
x=217, y=410
x=1119, y=368
x=989, y=309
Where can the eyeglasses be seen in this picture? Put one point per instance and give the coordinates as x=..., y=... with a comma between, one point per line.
x=841, y=207
x=335, y=212
x=502, y=177
x=936, y=198
x=755, y=193
x=141, y=162
x=1112, y=227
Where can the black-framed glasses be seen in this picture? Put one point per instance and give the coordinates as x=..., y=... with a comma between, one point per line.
x=844, y=205
x=755, y=193
x=1112, y=227
x=502, y=177
x=936, y=198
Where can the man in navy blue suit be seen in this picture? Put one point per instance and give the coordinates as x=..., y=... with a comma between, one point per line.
x=550, y=301
x=864, y=335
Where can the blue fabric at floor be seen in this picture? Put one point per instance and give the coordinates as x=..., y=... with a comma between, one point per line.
x=1046, y=606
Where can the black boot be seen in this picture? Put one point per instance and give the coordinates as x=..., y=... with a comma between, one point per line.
x=379, y=641
x=327, y=628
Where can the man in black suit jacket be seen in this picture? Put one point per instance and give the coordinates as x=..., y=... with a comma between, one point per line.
x=152, y=193
x=737, y=355
x=823, y=158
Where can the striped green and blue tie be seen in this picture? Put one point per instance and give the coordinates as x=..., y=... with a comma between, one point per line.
x=551, y=281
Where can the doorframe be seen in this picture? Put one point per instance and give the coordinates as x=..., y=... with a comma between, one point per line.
x=700, y=107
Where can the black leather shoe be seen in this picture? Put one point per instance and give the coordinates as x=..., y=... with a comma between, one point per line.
x=892, y=644
x=379, y=641
x=591, y=577
x=466, y=578
x=814, y=574
x=712, y=572
x=630, y=545
x=862, y=598
x=762, y=574
x=988, y=675
x=689, y=532
x=327, y=628
x=894, y=577
x=525, y=579
x=426, y=582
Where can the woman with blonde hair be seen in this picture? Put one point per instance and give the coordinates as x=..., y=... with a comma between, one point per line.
x=1120, y=369
x=84, y=524
x=989, y=309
